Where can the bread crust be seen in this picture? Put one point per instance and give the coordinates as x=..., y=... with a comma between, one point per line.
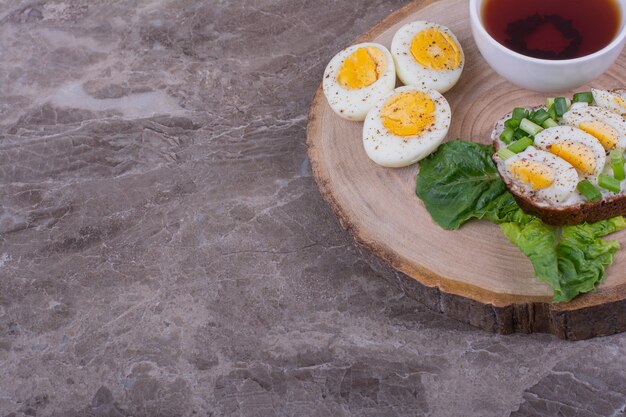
x=587, y=212
x=584, y=212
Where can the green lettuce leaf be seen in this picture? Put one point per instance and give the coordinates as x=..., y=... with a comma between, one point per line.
x=460, y=182
x=537, y=241
x=571, y=259
x=583, y=256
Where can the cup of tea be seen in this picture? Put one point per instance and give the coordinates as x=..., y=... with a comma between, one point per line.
x=549, y=46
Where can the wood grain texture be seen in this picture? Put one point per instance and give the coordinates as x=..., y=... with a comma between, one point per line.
x=475, y=274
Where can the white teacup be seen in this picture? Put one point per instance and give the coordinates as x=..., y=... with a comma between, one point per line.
x=544, y=75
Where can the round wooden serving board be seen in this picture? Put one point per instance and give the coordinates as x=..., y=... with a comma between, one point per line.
x=474, y=274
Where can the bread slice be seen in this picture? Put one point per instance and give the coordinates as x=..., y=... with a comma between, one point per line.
x=611, y=205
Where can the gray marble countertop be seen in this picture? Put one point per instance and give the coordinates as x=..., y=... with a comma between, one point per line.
x=164, y=250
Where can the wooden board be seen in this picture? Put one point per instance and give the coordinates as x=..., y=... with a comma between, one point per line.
x=475, y=274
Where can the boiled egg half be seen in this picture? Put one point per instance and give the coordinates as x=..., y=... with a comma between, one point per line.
x=609, y=100
x=427, y=55
x=358, y=77
x=607, y=127
x=405, y=126
x=581, y=150
x=542, y=174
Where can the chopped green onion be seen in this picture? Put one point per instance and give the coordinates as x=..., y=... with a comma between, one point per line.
x=585, y=97
x=519, y=133
x=560, y=105
x=507, y=135
x=552, y=112
x=540, y=116
x=512, y=123
x=589, y=191
x=529, y=127
x=549, y=123
x=617, y=164
x=519, y=113
x=609, y=183
x=520, y=145
x=505, y=153
x=549, y=102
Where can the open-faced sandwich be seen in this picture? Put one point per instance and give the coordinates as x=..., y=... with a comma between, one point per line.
x=564, y=162
x=552, y=179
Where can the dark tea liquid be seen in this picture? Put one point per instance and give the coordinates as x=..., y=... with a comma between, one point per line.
x=552, y=29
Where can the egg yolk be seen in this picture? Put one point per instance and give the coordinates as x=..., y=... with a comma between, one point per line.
x=435, y=50
x=362, y=68
x=408, y=113
x=534, y=173
x=578, y=155
x=607, y=136
x=620, y=102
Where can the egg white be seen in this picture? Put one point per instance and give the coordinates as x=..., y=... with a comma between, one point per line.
x=410, y=71
x=565, y=176
x=609, y=100
x=581, y=114
x=353, y=104
x=389, y=150
x=560, y=134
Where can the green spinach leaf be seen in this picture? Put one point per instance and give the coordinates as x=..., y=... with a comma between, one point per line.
x=459, y=182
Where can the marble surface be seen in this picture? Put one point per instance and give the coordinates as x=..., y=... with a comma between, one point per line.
x=164, y=250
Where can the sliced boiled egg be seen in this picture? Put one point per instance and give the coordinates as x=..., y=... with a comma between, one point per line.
x=405, y=126
x=427, y=55
x=607, y=127
x=358, y=77
x=542, y=174
x=609, y=100
x=583, y=151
